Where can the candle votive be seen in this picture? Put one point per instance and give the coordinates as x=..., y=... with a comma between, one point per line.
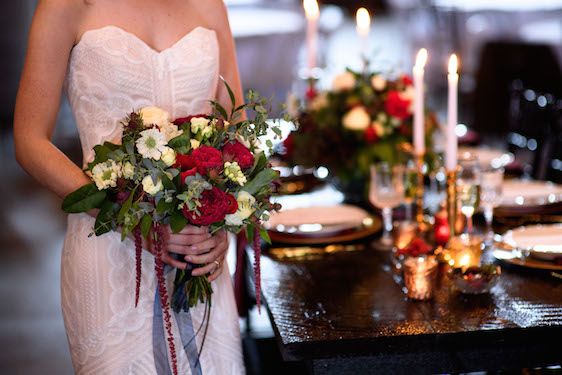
x=464, y=251
x=420, y=275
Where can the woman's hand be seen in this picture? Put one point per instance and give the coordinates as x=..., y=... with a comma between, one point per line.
x=209, y=253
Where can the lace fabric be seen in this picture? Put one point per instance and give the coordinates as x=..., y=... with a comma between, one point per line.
x=112, y=72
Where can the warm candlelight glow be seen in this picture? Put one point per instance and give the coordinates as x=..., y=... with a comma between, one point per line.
x=363, y=20
x=453, y=64
x=464, y=261
x=311, y=9
x=421, y=58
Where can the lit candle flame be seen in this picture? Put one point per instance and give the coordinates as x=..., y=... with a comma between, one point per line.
x=453, y=64
x=363, y=20
x=464, y=261
x=311, y=9
x=421, y=58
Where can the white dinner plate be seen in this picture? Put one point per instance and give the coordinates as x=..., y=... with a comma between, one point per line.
x=541, y=241
x=525, y=193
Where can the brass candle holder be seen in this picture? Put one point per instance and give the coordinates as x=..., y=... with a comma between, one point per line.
x=452, y=201
x=423, y=226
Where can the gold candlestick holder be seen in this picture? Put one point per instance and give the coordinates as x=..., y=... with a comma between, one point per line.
x=452, y=201
x=423, y=226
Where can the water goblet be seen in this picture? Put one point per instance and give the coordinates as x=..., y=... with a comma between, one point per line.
x=490, y=196
x=468, y=185
x=386, y=191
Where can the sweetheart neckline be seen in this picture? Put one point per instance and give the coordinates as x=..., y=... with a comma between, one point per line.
x=140, y=40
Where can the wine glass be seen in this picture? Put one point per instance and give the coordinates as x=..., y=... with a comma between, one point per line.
x=468, y=182
x=386, y=192
x=490, y=196
x=410, y=186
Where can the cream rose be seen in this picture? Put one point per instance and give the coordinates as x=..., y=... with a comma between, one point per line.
x=378, y=82
x=149, y=187
x=344, y=81
x=168, y=156
x=246, y=208
x=155, y=116
x=379, y=129
x=357, y=119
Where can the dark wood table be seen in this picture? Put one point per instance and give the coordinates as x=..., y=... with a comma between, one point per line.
x=346, y=313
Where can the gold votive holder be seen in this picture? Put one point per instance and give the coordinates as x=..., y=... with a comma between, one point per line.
x=464, y=251
x=420, y=275
x=423, y=226
x=451, y=188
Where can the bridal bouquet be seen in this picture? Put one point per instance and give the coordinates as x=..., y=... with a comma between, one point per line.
x=204, y=170
x=365, y=117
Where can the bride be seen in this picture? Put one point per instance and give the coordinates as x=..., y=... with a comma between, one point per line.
x=111, y=57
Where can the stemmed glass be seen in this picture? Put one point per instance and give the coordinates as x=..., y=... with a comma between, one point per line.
x=410, y=186
x=386, y=192
x=468, y=182
x=490, y=196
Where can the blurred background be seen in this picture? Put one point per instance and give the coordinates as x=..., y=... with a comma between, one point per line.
x=510, y=95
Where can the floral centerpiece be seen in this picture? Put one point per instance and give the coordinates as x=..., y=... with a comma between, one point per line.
x=203, y=170
x=364, y=118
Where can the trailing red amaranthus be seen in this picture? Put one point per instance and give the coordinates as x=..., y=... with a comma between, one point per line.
x=138, y=263
x=159, y=247
x=257, y=266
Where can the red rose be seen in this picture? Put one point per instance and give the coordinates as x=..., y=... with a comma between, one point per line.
x=232, y=204
x=370, y=135
x=406, y=80
x=396, y=106
x=183, y=120
x=289, y=145
x=215, y=204
x=184, y=162
x=239, y=153
x=311, y=93
x=206, y=158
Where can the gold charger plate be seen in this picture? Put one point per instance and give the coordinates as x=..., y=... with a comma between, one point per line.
x=512, y=258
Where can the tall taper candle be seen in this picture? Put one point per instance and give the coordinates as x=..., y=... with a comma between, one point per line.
x=363, y=26
x=312, y=14
x=418, y=72
x=451, y=137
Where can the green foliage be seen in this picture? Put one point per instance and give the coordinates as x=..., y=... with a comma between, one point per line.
x=84, y=199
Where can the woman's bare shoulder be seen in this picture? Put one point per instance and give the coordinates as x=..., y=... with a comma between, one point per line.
x=215, y=13
x=64, y=16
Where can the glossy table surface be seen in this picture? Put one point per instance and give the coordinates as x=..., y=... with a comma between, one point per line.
x=347, y=312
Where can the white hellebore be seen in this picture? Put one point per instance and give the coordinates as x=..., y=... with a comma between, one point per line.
x=128, y=171
x=151, y=144
x=149, y=187
x=378, y=82
x=357, y=119
x=245, y=208
x=344, y=81
x=168, y=156
x=154, y=116
x=106, y=174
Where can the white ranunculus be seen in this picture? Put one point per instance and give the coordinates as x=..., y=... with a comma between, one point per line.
x=194, y=143
x=378, y=82
x=151, y=144
x=344, y=81
x=168, y=156
x=357, y=119
x=245, y=208
x=105, y=174
x=154, y=116
x=128, y=171
x=149, y=187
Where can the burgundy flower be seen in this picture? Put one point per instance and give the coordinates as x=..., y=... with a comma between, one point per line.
x=206, y=158
x=396, y=106
x=406, y=80
x=232, y=204
x=215, y=204
x=183, y=120
x=370, y=135
x=237, y=152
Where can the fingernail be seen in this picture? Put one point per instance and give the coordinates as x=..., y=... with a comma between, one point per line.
x=188, y=258
x=193, y=247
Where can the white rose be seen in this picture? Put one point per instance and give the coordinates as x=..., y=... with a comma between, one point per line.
x=168, y=156
x=245, y=208
x=128, y=171
x=357, y=119
x=154, y=116
x=198, y=124
x=378, y=82
x=149, y=187
x=194, y=143
x=379, y=129
x=344, y=81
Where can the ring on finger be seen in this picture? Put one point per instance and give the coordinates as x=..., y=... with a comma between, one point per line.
x=218, y=264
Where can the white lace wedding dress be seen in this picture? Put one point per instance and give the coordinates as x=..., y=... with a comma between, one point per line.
x=112, y=72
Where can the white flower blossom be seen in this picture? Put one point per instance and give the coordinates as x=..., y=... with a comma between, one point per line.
x=378, y=82
x=128, y=171
x=170, y=131
x=344, y=81
x=246, y=208
x=154, y=116
x=202, y=126
x=149, y=187
x=105, y=174
x=168, y=156
x=233, y=172
x=194, y=143
x=357, y=119
x=151, y=144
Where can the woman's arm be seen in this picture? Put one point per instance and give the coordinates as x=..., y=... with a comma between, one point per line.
x=52, y=36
